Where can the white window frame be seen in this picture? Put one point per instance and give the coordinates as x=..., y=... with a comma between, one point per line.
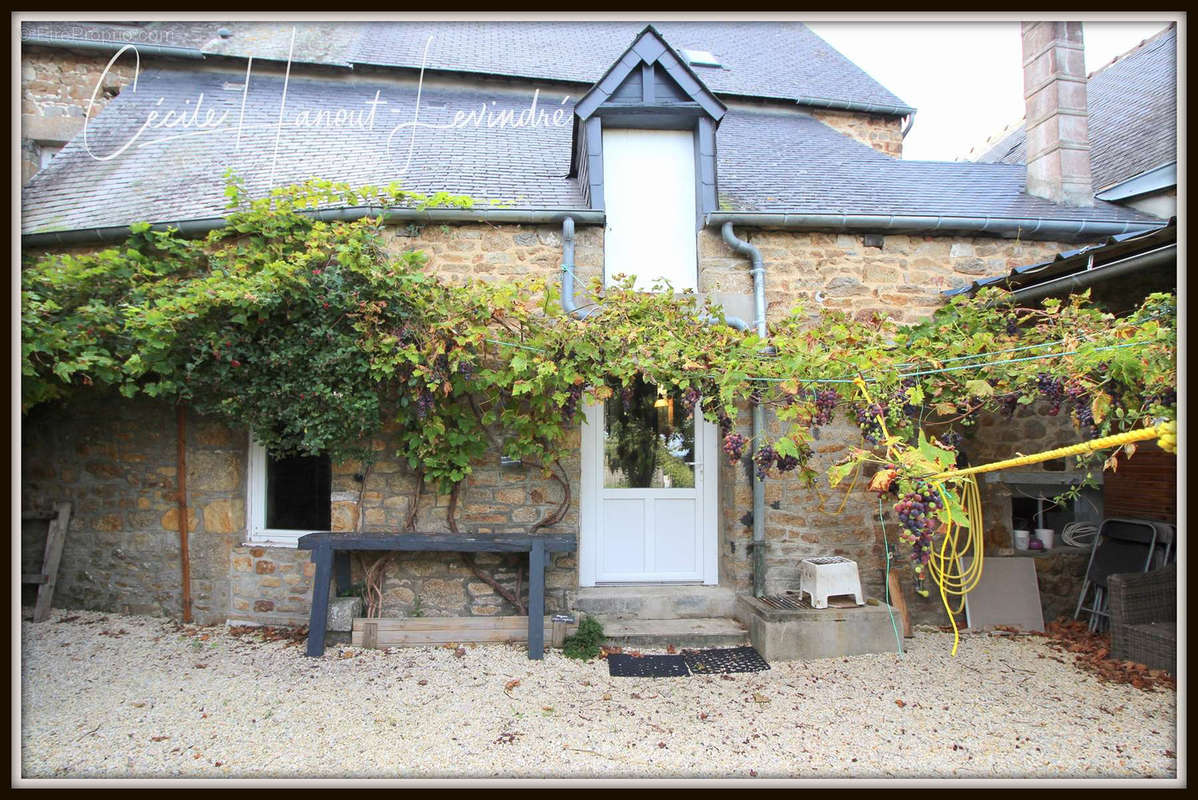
x=255, y=503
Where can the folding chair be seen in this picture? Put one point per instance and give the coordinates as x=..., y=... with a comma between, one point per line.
x=1122, y=545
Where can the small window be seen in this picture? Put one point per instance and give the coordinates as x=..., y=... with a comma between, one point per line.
x=288, y=496
x=701, y=58
x=46, y=153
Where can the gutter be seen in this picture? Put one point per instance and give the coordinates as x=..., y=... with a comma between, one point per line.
x=1159, y=257
x=850, y=105
x=199, y=227
x=1025, y=227
x=108, y=48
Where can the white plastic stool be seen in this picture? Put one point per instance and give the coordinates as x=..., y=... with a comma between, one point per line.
x=828, y=576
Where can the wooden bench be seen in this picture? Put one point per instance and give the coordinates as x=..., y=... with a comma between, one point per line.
x=330, y=553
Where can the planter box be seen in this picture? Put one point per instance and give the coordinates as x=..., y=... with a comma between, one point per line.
x=424, y=631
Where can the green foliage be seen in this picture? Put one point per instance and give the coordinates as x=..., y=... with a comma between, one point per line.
x=584, y=644
x=320, y=336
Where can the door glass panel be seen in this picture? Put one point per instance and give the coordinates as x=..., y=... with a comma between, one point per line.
x=648, y=439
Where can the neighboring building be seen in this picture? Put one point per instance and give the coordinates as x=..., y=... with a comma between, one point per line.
x=761, y=125
x=1132, y=105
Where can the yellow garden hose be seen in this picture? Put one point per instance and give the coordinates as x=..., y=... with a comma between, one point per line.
x=945, y=567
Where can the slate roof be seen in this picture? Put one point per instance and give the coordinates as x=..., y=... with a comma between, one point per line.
x=782, y=60
x=781, y=161
x=1133, y=115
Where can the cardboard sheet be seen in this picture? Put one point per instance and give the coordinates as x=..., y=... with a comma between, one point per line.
x=1006, y=595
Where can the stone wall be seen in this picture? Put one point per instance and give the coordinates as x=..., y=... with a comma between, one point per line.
x=114, y=460
x=124, y=552
x=55, y=90
x=883, y=133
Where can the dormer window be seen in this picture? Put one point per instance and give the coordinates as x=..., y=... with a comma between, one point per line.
x=645, y=153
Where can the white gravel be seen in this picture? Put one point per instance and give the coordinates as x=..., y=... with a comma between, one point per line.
x=110, y=696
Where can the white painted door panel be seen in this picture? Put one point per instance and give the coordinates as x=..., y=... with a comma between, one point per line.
x=649, y=191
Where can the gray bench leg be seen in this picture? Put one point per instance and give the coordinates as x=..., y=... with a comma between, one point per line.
x=536, y=601
x=323, y=556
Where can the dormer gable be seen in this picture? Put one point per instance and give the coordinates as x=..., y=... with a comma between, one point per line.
x=651, y=87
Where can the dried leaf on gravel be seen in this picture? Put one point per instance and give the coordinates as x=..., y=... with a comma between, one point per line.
x=1092, y=654
x=159, y=738
x=899, y=703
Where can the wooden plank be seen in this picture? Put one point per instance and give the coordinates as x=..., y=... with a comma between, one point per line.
x=899, y=602
x=536, y=600
x=319, y=619
x=516, y=624
x=437, y=542
x=426, y=631
x=56, y=537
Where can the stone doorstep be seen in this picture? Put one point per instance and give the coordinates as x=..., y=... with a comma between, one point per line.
x=694, y=633
x=808, y=633
x=656, y=602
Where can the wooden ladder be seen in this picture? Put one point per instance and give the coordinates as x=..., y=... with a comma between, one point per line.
x=47, y=577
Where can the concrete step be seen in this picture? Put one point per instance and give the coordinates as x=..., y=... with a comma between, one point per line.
x=694, y=633
x=657, y=602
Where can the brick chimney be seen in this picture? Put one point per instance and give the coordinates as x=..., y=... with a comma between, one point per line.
x=1054, y=91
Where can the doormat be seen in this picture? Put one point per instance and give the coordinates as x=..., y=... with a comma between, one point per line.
x=690, y=662
x=621, y=665
x=731, y=659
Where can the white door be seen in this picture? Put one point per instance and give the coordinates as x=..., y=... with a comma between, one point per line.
x=649, y=191
x=648, y=500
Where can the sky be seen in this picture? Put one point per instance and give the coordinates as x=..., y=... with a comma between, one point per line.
x=964, y=78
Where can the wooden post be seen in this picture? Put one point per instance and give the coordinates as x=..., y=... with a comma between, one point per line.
x=318, y=622
x=536, y=599
x=181, y=483
x=899, y=602
x=56, y=535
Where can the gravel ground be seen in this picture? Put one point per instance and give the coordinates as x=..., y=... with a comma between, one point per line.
x=110, y=696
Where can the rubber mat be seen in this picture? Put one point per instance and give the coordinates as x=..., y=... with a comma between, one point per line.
x=620, y=665
x=731, y=659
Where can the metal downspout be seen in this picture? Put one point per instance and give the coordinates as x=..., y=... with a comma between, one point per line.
x=570, y=306
x=758, y=272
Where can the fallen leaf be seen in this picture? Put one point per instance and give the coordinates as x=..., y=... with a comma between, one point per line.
x=137, y=705
x=899, y=703
x=512, y=684
x=661, y=744
x=607, y=696
x=670, y=649
x=159, y=738
x=760, y=698
x=422, y=682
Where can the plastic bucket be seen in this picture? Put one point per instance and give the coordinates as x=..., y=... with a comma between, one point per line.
x=1045, y=537
x=1021, y=539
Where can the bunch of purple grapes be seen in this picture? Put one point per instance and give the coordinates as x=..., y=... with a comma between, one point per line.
x=1012, y=325
x=725, y=425
x=1007, y=403
x=904, y=394
x=867, y=420
x=690, y=398
x=734, y=447
x=917, y=513
x=825, y=405
x=424, y=404
x=1052, y=389
x=764, y=459
x=466, y=370
x=786, y=463
x=570, y=407
x=952, y=440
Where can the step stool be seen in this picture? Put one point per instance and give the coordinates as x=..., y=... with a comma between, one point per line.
x=828, y=576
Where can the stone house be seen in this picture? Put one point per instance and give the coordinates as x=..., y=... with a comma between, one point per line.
x=620, y=142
